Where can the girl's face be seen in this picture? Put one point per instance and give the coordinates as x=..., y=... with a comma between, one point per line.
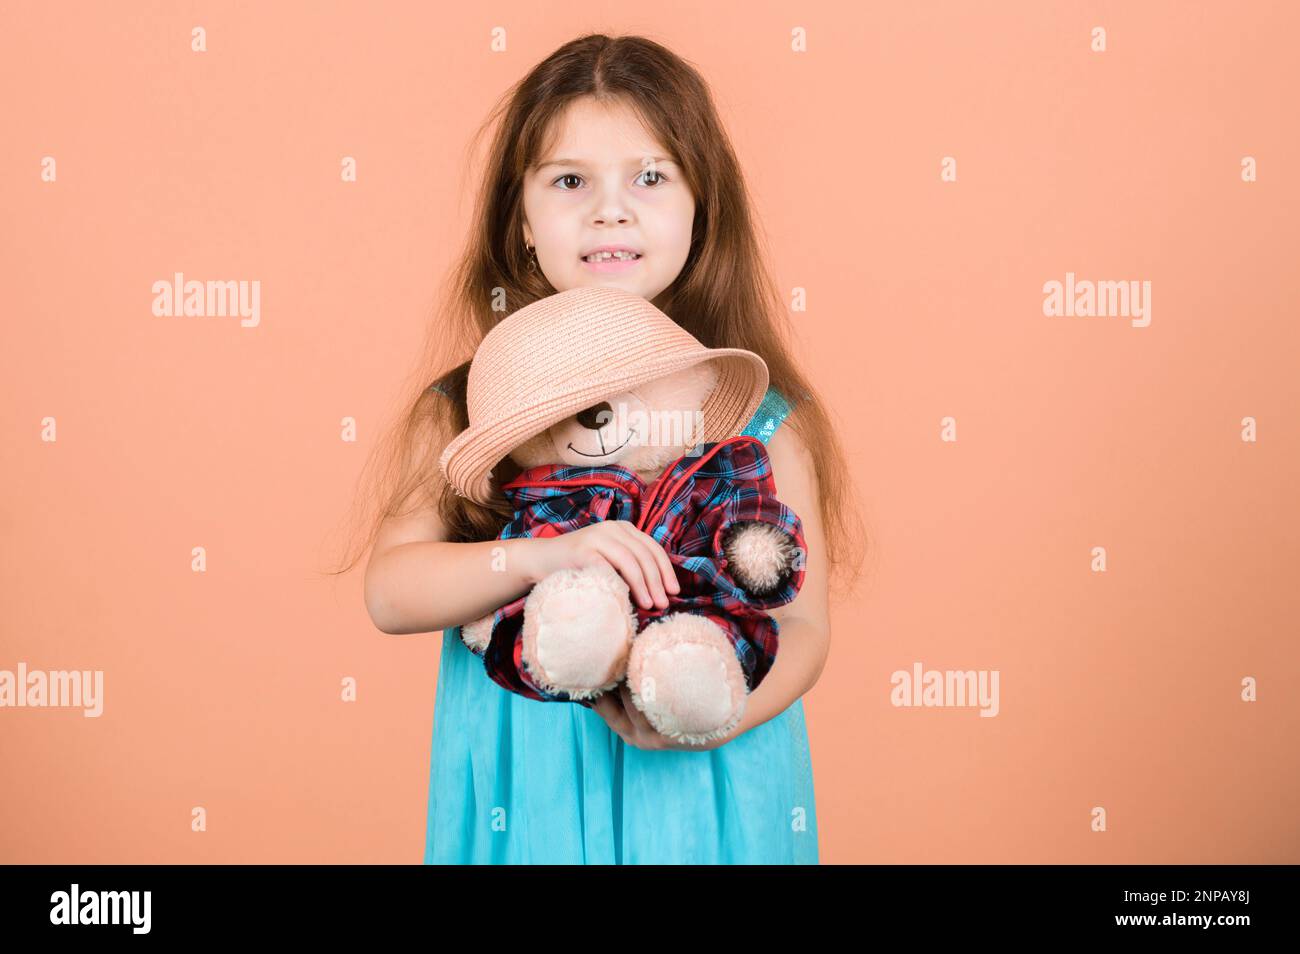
x=607, y=182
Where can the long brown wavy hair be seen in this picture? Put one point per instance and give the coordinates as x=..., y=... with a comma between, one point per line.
x=724, y=295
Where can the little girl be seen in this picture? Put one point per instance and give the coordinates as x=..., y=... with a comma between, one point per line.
x=609, y=145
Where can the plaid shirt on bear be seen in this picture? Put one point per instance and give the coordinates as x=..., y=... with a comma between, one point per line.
x=687, y=509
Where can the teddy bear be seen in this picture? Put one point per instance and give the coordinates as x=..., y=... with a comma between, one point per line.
x=611, y=410
x=735, y=549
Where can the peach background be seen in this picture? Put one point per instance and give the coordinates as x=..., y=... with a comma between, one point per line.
x=1118, y=689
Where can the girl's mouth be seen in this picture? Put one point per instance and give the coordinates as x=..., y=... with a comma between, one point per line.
x=611, y=264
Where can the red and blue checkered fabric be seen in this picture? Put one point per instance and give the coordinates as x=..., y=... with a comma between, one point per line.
x=687, y=509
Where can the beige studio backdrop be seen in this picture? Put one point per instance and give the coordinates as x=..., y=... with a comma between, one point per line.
x=1101, y=510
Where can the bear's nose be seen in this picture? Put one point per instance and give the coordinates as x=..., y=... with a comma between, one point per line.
x=592, y=418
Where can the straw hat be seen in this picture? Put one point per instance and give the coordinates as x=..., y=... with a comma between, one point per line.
x=568, y=351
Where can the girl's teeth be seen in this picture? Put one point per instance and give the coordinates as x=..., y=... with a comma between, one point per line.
x=607, y=256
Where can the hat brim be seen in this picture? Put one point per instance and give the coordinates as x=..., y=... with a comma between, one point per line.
x=467, y=460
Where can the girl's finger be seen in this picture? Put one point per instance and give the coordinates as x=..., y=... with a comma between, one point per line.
x=641, y=550
x=612, y=712
x=621, y=559
x=666, y=571
x=640, y=724
x=634, y=715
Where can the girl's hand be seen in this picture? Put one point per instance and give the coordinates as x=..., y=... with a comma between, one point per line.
x=633, y=554
x=631, y=725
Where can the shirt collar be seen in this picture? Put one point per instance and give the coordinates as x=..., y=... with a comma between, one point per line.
x=551, y=479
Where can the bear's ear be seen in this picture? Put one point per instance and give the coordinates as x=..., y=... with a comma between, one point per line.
x=535, y=451
x=677, y=399
x=682, y=390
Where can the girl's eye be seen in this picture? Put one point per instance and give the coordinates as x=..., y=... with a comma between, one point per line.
x=658, y=177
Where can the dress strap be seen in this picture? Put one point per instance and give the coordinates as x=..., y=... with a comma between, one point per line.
x=771, y=412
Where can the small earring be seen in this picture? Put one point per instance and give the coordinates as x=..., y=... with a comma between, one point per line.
x=532, y=258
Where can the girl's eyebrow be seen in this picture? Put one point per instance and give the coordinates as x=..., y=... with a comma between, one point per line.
x=583, y=162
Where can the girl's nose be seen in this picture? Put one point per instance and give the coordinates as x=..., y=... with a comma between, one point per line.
x=595, y=416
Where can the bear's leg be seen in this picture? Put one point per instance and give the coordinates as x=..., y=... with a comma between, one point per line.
x=577, y=630
x=683, y=674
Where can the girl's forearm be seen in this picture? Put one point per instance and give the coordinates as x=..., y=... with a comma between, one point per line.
x=800, y=657
x=426, y=586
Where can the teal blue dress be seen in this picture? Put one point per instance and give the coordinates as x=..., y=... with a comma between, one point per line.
x=516, y=781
